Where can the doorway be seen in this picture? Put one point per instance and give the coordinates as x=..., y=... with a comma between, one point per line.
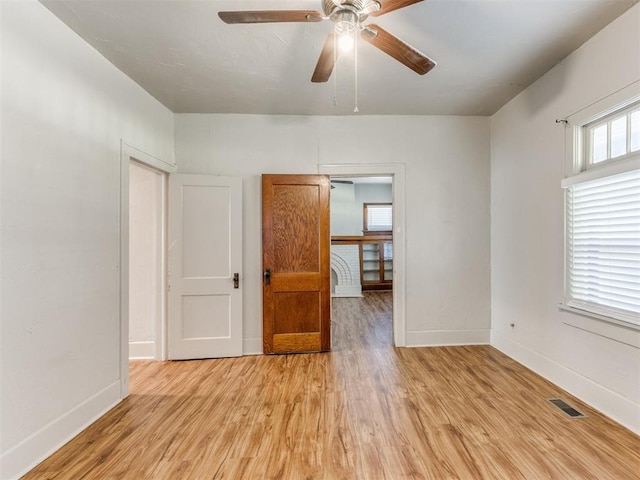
x=129, y=154
x=396, y=172
x=361, y=235
x=156, y=344
x=362, y=261
x=147, y=214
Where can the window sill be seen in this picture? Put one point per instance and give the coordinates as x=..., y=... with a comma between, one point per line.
x=602, y=325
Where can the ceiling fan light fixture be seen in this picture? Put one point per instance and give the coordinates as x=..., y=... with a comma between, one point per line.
x=345, y=22
x=345, y=43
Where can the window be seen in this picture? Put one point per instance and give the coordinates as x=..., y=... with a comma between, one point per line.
x=603, y=244
x=378, y=217
x=613, y=136
x=602, y=274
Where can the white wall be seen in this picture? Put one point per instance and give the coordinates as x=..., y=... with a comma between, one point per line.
x=344, y=218
x=64, y=112
x=145, y=250
x=372, y=193
x=528, y=154
x=447, y=196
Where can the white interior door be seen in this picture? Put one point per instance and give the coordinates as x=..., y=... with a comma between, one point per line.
x=205, y=252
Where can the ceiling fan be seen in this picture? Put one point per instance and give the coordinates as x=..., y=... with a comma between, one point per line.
x=347, y=17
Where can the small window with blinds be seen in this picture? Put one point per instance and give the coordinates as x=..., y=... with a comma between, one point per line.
x=603, y=246
x=378, y=218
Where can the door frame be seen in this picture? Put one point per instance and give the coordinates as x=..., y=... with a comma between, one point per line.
x=397, y=172
x=127, y=154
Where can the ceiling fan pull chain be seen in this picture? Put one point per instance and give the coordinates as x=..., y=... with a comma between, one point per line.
x=355, y=53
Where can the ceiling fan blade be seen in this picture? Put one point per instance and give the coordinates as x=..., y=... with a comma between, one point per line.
x=324, y=67
x=270, y=16
x=393, y=46
x=387, y=6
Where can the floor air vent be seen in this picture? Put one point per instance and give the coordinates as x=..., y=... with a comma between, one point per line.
x=566, y=408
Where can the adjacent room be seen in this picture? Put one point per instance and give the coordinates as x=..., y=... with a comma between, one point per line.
x=320, y=239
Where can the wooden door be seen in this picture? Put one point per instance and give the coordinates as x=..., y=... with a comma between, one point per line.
x=205, y=263
x=295, y=259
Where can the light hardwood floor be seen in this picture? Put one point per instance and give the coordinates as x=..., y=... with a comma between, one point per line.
x=364, y=411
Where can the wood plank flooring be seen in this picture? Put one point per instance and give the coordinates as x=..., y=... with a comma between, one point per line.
x=364, y=411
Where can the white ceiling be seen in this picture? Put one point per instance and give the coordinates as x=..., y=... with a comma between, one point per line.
x=487, y=52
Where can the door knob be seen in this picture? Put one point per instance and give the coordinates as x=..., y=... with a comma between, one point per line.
x=236, y=280
x=267, y=276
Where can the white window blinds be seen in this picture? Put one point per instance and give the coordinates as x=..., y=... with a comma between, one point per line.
x=603, y=246
x=379, y=217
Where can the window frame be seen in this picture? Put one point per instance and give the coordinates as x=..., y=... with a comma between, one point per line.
x=578, y=169
x=587, y=162
x=365, y=218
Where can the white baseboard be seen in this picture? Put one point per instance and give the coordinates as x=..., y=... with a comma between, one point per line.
x=21, y=458
x=140, y=350
x=441, y=338
x=252, y=346
x=611, y=404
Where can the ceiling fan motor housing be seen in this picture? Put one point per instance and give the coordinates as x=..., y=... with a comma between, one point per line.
x=349, y=12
